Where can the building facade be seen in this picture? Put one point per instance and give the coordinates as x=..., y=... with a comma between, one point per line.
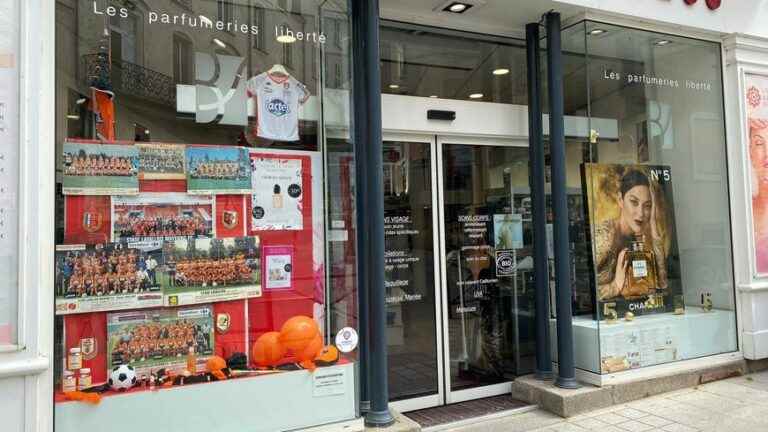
x=182, y=189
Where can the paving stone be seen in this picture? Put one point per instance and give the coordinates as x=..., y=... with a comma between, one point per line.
x=675, y=427
x=611, y=418
x=634, y=426
x=655, y=421
x=631, y=413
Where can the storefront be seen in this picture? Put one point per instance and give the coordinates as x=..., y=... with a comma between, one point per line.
x=189, y=192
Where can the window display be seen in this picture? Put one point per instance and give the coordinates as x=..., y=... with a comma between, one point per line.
x=191, y=220
x=656, y=226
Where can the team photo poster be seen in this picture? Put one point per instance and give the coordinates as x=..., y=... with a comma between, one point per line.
x=100, y=169
x=111, y=276
x=161, y=216
x=154, y=338
x=218, y=170
x=631, y=213
x=162, y=162
x=198, y=270
x=757, y=128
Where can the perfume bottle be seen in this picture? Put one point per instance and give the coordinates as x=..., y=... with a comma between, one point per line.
x=641, y=272
x=277, y=198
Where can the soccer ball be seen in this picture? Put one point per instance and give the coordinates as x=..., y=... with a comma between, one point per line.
x=122, y=378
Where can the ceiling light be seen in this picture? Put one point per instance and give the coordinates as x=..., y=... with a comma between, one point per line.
x=663, y=42
x=286, y=38
x=501, y=71
x=218, y=42
x=73, y=117
x=394, y=86
x=434, y=96
x=597, y=31
x=476, y=96
x=457, y=7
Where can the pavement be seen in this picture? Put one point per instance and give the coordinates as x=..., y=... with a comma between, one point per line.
x=731, y=405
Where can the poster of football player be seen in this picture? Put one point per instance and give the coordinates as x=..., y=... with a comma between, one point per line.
x=277, y=199
x=202, y=270
x=635, y=252
x=100, y=169
x=104, y=277
x=161, y=216
x=218, y=170
x=153, y=338
x=161, y=162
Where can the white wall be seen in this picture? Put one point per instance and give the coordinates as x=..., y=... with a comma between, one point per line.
x=742, y=16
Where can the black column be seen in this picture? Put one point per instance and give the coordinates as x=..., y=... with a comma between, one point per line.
x=539, y=203
x=566, y=363
x=370, y=211
x=359, y=125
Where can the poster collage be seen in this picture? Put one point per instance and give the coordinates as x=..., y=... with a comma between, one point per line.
x=127, y=248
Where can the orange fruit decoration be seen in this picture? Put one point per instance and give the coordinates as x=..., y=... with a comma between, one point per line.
x=267, y=350
x=297, y=333
x=307, y=356
x=327, y=356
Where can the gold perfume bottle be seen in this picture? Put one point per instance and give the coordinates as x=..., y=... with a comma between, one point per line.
x=277, y=198
x=642, y=274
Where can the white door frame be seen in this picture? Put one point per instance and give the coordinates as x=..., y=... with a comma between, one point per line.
x=482, y=391
x=438, y=398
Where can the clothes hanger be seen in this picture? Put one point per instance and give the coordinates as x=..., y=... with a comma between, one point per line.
x=278, y=69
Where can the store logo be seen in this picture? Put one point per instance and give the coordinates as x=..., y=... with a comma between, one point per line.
x=753, y=97
x=278, y=108
x=220, y=89
x=229, y=219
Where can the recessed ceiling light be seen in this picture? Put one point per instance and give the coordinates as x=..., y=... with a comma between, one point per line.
x=597, y=31
x=501, y=71
x=73, y=117
x=218, y=42
x=663, y=42
x=476, y=96
x=434, y=96
x=394, y=86
x=284, y=38
x=457, y=7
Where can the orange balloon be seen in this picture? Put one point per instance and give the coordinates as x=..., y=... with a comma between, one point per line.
x=297, y=333
x=268, y=351
x=307, y=356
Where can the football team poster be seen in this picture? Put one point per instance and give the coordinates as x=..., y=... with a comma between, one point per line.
x=631, y=213
x=277, y=200
x=153, y=338
x=100, y=169
x=161, y=215
x=199, y=270
x=161, y=162
x=757, y=127
x=218, y=170
x=104, y=277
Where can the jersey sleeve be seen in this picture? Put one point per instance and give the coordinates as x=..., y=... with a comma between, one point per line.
x=301, y=90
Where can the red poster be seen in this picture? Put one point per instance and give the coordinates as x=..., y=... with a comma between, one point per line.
x=229, y=320
x=89, y=333
x=230, y=216
x=87, y=219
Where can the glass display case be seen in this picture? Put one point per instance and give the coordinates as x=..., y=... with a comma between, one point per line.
x=655, y=199
x=191, y=259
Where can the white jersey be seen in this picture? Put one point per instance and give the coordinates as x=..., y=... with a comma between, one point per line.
x=277, y=99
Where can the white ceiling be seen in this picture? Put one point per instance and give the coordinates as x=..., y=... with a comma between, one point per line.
x=500, y=17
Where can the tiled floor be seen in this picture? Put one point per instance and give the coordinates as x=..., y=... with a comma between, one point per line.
x=734, y=405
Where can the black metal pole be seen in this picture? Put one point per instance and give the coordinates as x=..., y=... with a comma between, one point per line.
x=371, y=253
x=360, y=128
x=539, y=203
x=566, y=376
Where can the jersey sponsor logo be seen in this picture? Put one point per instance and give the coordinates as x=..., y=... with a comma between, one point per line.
x=278, y=108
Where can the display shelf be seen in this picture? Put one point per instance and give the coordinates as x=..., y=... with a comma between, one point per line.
x=652, y=339
x=284, y=401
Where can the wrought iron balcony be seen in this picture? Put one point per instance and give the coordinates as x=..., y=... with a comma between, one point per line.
x=186, y=3
x=131, y=79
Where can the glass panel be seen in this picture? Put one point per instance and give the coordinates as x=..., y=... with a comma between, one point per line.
x=657, y=195
x=487, y=260
x=410, y=270
x=421, y=61
x=191, y=216
x=9, y=170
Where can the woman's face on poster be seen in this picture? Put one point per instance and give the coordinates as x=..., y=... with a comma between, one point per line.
x=636, y=207
x=757, y=150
